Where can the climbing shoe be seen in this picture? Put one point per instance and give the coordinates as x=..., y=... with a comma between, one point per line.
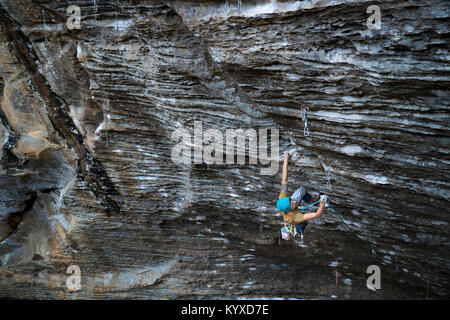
x=316, y=198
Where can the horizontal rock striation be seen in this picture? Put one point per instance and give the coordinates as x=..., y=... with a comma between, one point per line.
x=87, y=176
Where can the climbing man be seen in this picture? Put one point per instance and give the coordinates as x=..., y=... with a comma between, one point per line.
x=289, y=205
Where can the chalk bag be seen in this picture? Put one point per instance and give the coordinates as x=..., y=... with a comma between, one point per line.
x=285, y=233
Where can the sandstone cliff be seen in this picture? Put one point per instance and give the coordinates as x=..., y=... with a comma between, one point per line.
x=87, y=118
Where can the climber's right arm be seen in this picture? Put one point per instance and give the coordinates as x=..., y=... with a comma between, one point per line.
x=285, y=169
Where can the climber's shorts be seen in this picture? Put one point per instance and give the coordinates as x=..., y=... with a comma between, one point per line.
x=301, y=227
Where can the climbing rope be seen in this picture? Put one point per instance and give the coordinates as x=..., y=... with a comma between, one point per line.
x=309, y=206
x=95, y=6
x=374, y=254
x=239, y=6
x=305, y=119
x=342, y=220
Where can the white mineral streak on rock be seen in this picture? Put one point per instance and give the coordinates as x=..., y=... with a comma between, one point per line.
x=352, y=150
x=376, y=179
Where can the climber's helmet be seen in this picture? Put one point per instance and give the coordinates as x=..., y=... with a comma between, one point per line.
x=284, y=204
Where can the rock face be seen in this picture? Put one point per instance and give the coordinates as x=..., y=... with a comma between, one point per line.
x=88, y=116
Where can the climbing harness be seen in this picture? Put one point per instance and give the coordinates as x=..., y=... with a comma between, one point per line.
x=45, y=25
x=305, y=120
x=289, y=231
x=286, y=232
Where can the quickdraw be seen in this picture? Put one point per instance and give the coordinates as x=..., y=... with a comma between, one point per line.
x=305, y=120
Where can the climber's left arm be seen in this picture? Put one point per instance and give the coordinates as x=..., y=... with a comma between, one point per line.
x=318, y=213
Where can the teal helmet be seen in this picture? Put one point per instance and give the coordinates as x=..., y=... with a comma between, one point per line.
x=284, y=204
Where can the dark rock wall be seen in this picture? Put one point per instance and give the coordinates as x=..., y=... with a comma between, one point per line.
x=87, y=117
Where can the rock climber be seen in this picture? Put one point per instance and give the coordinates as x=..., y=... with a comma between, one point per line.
x=289, y=205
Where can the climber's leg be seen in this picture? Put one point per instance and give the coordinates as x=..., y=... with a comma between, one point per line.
x=301, y=227
x=301, y=194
